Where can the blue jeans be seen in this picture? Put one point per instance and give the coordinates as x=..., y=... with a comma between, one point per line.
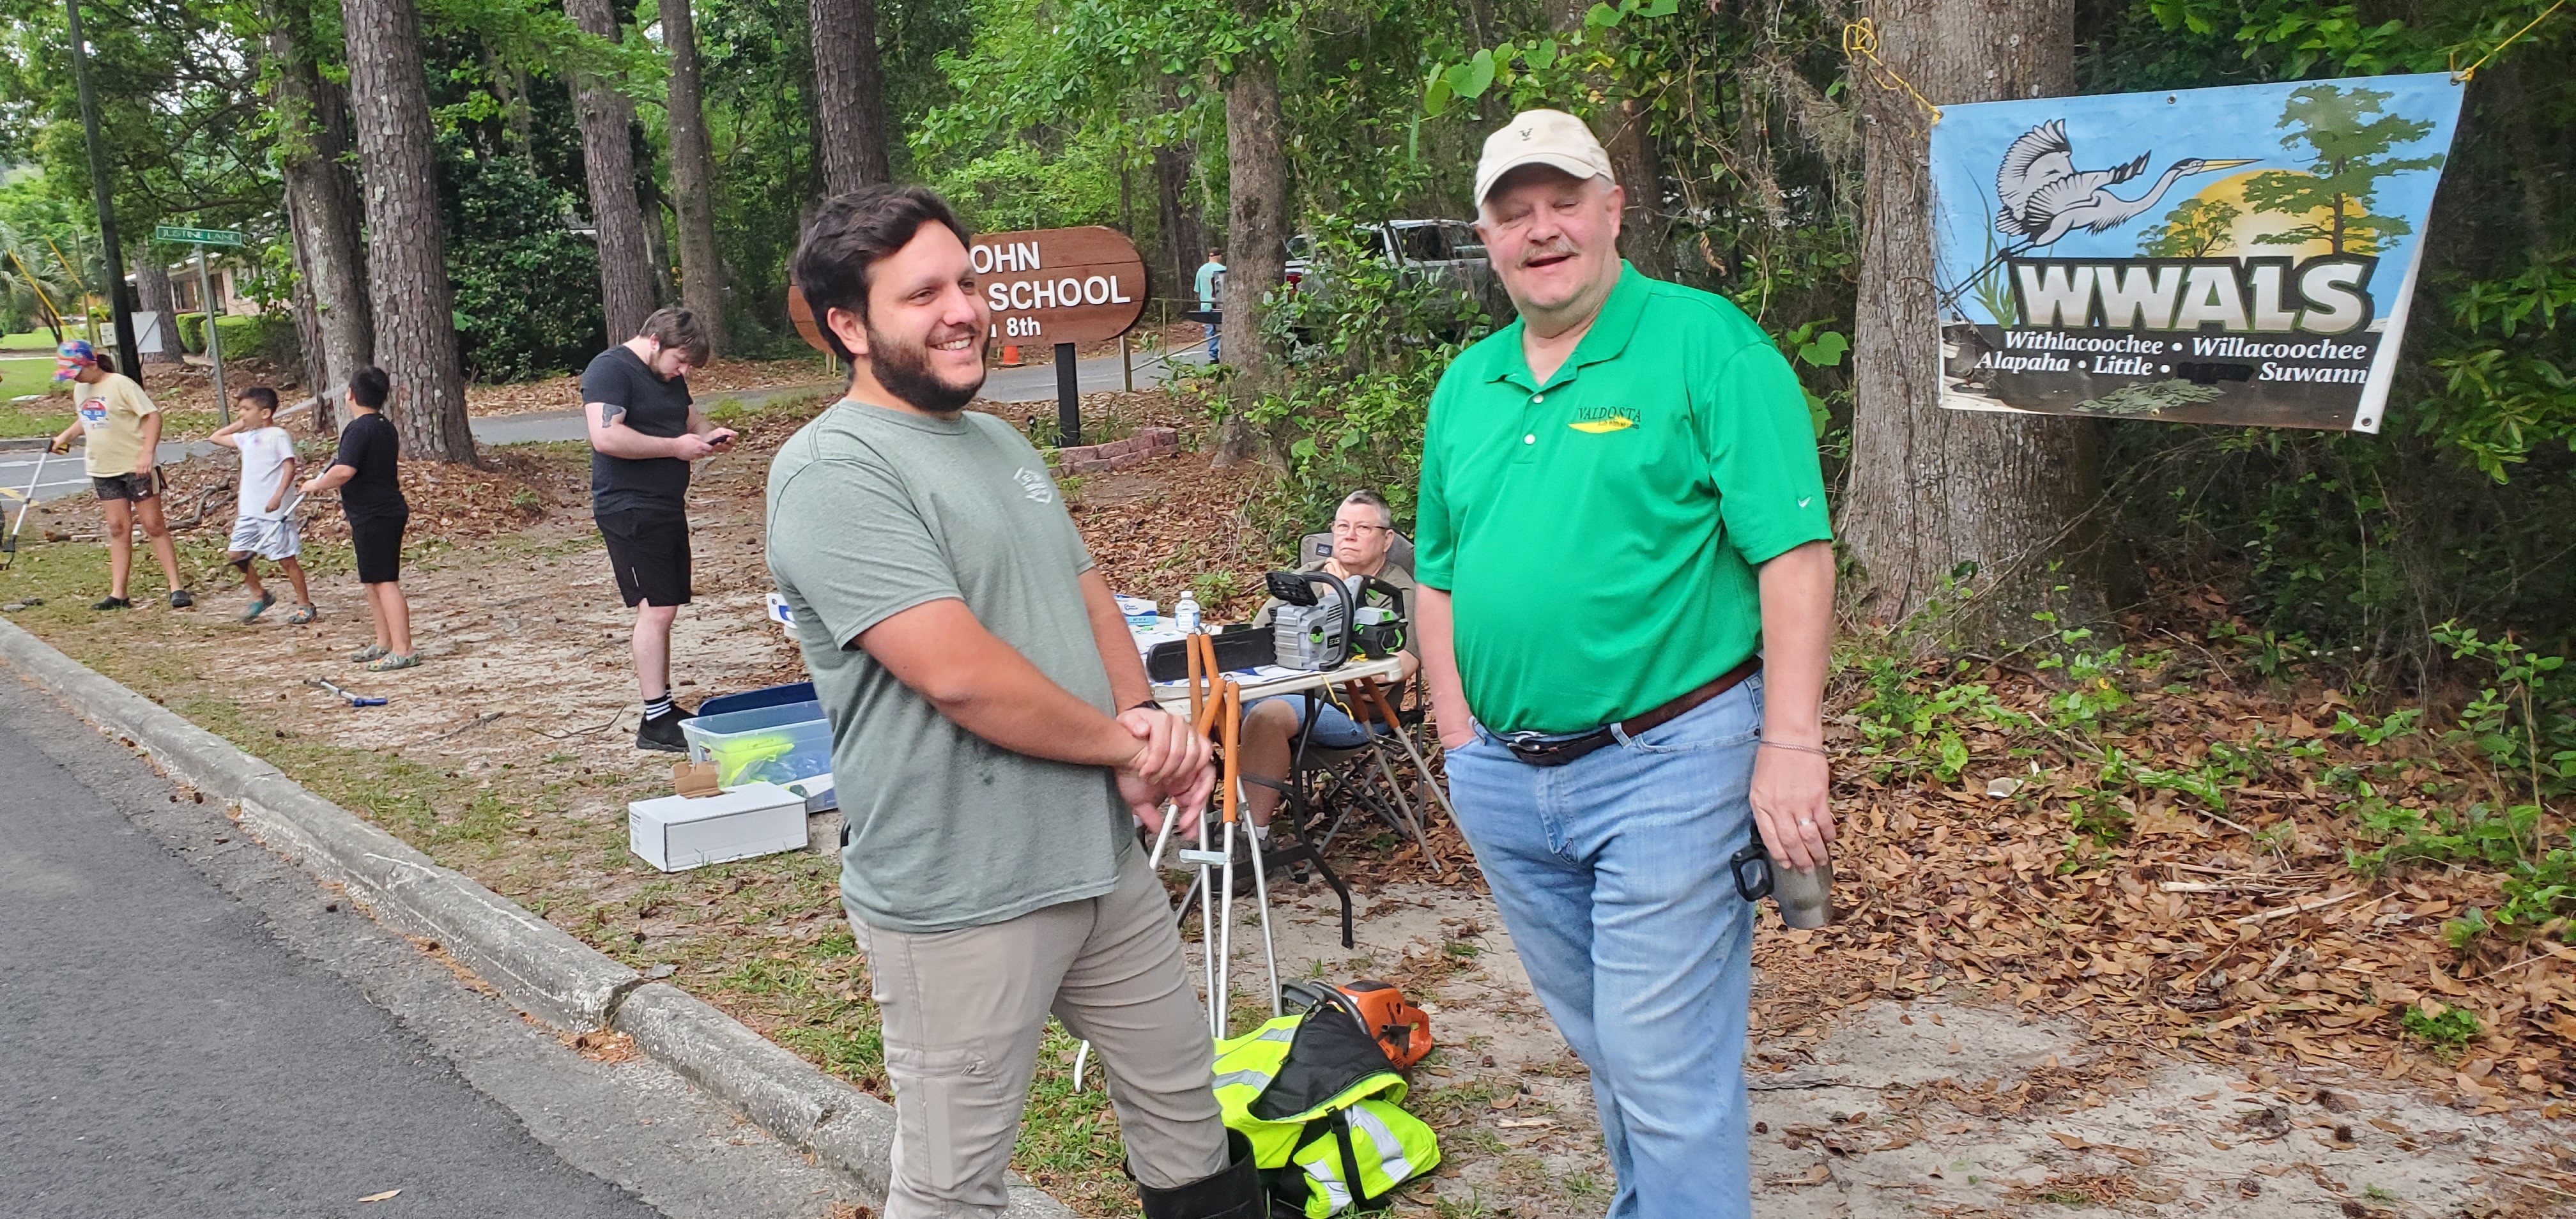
x=1211, y=329
x=1611, y=873
x=1333, y=727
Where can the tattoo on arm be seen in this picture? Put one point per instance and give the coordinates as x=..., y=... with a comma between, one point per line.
x=610, y=413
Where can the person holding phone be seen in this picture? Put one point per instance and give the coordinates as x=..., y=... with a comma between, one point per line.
x=644, y=432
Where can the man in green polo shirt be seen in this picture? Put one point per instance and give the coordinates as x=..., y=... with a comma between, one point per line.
x=1625, y=593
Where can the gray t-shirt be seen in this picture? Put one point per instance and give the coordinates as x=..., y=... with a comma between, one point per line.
x=872, y=512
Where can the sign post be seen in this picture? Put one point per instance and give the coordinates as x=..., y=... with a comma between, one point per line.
x=1059, y=286
x=201, y=238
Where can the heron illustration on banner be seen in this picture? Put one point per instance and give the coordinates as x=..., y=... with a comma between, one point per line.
x=2045, y=197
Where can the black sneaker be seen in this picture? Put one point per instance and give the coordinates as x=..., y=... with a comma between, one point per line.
x=180, y=599
x=113, y=603
x=662, y=732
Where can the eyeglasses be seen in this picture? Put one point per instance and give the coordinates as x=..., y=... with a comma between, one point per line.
x=1354, y=528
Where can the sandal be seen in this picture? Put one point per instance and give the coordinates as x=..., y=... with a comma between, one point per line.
x=367, y=653
x=391, y=661
x=259, y=606
x=113, y=603
x=303, y=614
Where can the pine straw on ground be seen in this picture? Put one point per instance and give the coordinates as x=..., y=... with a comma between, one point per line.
x=564, y=392
x=2240, y=937
x=509, y=491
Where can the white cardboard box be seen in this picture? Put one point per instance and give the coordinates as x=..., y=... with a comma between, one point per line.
x=674, y=833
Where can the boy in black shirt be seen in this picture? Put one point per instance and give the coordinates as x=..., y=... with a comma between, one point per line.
x=364, y=471
x=644, y=432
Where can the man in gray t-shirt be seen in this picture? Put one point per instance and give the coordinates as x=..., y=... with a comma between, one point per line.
x=994, y=742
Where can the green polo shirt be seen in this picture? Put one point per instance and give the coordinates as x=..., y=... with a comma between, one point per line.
x=1598, y=532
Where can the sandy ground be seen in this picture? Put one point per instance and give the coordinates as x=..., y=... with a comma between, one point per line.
x=518, y=732
x=1932, y=1107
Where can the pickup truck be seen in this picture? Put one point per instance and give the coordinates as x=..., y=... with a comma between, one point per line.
x=1445, y=252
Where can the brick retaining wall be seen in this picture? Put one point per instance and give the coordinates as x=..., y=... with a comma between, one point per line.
x=1142, y=447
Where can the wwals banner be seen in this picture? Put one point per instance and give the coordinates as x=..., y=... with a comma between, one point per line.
x=2241, y=255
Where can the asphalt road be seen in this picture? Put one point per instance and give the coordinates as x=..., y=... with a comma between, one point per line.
x=1032, y=383
x=191, y=1027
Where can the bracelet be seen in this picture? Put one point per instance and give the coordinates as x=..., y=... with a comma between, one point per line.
x=1817, y=750
x=1147, y=705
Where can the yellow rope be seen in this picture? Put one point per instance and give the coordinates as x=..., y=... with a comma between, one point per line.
x=2464, y=75
x=1860, y=42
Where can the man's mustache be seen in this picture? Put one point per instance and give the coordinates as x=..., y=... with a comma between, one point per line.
x=1558, y=247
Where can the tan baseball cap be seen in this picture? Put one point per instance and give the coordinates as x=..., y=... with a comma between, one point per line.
x=1540, y=137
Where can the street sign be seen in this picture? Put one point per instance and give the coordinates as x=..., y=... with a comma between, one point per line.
x=187, y=236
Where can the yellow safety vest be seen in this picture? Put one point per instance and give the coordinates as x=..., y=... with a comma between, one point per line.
x=1315, y=1096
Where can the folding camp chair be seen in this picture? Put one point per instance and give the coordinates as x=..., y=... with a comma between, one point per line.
x=1326, y=785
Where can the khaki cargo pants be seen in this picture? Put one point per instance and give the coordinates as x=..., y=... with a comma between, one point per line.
x=964, y=1011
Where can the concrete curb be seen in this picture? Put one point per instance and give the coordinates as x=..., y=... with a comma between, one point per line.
x=534, y=964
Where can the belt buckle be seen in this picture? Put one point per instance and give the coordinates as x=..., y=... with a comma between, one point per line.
x=1531, y=747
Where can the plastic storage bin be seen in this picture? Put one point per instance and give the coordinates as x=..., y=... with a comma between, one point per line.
x=766, y=696
x=777, y=744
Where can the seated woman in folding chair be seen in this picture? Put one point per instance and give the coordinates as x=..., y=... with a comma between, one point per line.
x=1364, y=540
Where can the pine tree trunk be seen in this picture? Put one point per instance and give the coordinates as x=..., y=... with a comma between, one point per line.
x=407, y=280
x=693, y=176
x=1256, y=251
x=155, y=295
x=657, y=237
x=1995, y=502
x=1183, y=242
x=608, y=160
x=1644, y=237
x=322, y=206
x=849, y=94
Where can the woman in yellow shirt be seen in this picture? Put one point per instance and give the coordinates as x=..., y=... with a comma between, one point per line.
x=124, y=431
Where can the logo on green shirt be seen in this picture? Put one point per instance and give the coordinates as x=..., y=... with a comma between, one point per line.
x=1599, y=419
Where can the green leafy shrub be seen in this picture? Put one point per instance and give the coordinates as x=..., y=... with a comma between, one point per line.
x=527, y=287
x=1366, y=345
x=2453, y=1028
x=268, y=337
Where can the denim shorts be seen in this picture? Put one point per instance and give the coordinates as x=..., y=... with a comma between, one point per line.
x=1332, y=727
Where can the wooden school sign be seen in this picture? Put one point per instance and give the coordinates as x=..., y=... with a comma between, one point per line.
x=1045, y=287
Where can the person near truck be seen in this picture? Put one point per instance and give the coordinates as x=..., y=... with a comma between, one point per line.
x=644, y=432
x=995, y=743
x=1211, y=286
x=1616, y=732
x=123, y=428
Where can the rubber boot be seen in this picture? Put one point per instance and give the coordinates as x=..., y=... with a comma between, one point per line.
x=1233, y=1192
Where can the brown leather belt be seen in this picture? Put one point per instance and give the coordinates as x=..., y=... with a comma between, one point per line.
x=1542, y=749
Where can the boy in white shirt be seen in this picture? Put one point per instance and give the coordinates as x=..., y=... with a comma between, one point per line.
x=264, y=527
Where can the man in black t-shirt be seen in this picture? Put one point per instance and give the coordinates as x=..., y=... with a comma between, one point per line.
x=644, y=432
x=364, y=471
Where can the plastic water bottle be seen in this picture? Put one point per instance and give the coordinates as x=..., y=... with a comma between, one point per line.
x=1185, y=614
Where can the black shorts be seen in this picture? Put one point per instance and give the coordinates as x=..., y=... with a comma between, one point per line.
x=649, y=549
x=378, y=541
x=127, y=486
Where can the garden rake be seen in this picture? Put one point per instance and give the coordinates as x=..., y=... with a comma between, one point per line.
x=9, y=544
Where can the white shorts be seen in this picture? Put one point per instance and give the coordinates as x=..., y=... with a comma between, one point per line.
x=269, y=539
